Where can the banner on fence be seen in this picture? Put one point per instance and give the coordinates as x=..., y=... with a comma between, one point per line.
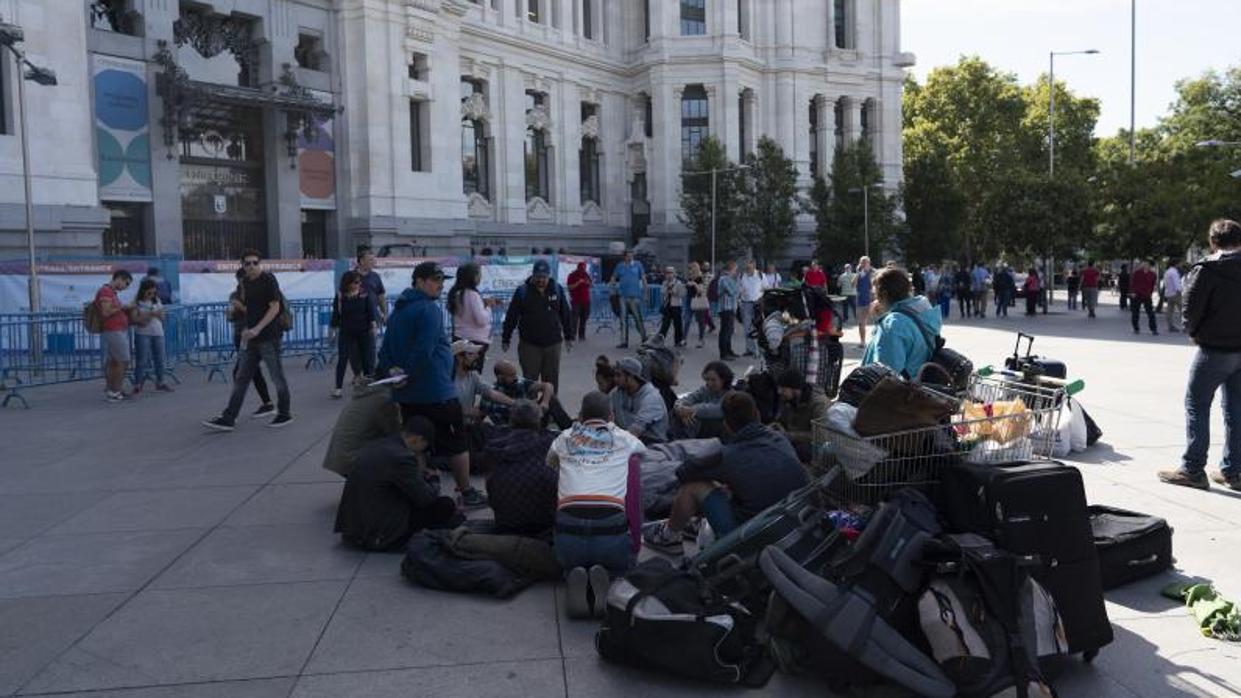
x=300, y=279
x=62, y=285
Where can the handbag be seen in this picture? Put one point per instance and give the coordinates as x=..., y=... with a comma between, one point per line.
x=896, y=405
x=957, y=365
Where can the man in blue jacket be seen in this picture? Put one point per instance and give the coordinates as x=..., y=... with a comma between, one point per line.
x=416, y=346
x=905, y=328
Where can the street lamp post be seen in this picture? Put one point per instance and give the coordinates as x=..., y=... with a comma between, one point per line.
x=1051, y=104
x=10, y=36
x=714, y=172
x=865, y=213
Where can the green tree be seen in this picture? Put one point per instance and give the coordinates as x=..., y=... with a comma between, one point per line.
x=696, y=201
x=934, y=209
x=768, y=216
x=837, y=205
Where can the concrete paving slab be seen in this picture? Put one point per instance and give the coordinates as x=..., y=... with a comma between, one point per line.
x=301, y=503
x=381, y=565
x=92, y=563
x=592, y=677
x=492, y=680
x=35, y=631
x=256, y=688
x=388, y=623
x=28, y=515
x=197, y=635
x=7, y=544
x=308, y=467
x=1161, y=657
x=259, y=555
x=152, y=510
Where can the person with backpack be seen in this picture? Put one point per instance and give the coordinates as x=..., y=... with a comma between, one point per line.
x=540, y=313
x=148, y=322
x=899, y=341
x=629, y=278
x=114, y=333
x=236, y=315
x=260, y=343
x=355, y=320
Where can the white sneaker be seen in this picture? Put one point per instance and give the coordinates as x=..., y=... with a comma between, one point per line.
x=336, y=393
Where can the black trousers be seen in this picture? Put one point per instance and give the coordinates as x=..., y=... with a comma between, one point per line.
x=1136, y=304
x=581, y=313
x=727, y=321
x=672, y=318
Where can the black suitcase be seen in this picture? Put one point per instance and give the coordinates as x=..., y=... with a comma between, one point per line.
x=1131, y=546
x=1036, y=509
x=1031, y=365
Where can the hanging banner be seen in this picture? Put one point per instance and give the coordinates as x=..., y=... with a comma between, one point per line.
x=122, y=129
x=213, y=281
x=63, y=286
x=398, y=272
x=316, y=162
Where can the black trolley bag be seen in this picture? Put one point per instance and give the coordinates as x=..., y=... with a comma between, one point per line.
x=1033, y=365
x=1037, y=509
x=1131, y=546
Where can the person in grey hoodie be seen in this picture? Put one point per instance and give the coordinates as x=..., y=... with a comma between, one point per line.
x=637, y=405
x=1212, y=319
x=698, y=414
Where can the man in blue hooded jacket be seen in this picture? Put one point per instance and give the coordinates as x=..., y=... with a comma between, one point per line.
x=898, y=341
x=416, y=345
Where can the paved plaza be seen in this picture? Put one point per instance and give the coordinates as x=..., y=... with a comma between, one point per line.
x=142, y=556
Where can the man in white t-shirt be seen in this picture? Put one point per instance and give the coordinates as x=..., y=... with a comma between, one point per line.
x=771, y=278
x=751, y=291
x=1172, y=287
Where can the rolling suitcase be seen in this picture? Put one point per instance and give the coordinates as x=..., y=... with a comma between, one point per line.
x=1131, y=546
x=1037, y=509
x=1031, y=365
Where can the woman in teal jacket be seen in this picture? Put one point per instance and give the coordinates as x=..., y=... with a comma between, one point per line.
x=898, y=341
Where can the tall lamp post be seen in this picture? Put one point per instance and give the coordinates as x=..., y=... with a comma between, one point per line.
x=1051, y=107
x=10, y=36
x=714, y=172
x=865, y=192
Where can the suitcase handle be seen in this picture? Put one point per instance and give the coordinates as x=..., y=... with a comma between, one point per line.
x=1142, y=562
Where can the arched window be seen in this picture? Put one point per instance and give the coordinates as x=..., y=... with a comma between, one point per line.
x=695, y=120
x=588, y=155
x=538, y=161
x=475, y=163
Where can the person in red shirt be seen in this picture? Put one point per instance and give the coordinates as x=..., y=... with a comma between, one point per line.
x=1141, y=288
x=816, y=277
x=1090, y=287
x=115, y=334
x=579, y=294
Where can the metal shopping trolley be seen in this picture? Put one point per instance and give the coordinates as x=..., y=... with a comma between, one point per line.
x=999, y=421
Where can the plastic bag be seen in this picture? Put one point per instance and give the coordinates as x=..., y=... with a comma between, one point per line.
x=1077, y=427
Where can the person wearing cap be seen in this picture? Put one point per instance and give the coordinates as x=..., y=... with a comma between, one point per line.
x=630, y=278
x=637, y=405
x=674, y=298
x=539, y=311
x=470, y=384
x=417, y=347
x=580, y=284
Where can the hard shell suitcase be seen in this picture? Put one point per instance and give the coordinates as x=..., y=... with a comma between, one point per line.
x=1036, y=509
x=1033, y=365
x=1131, y=546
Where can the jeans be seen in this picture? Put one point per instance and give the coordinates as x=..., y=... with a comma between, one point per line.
x=632, y=308
x=581, y=313
x=727, y=318
x=1210, y=370
x=1001, y=305
x=356, y=350
x=256, y=352
x=747, y=324
x=576, y=546
x=672, y=319
x=148, y=347
x=1072, y=304
x=1135, y=306
x=945, y=304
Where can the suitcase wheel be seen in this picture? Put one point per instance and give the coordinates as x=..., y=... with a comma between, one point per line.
x=1089, y=655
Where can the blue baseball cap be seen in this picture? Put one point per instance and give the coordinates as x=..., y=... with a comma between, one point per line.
x=542, y=268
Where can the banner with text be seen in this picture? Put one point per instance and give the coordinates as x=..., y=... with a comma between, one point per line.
x=122, y=129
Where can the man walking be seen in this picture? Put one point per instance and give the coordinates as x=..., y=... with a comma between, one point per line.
x=751, y=290
x=1212, y=296
x=372, y=282
x=539, y=312
x=630, y=277
x=260, y=343
x=1141, y=288
x=673, y=301
x=1090, y=288
x=979, y=280
x=1172, y=296
x=848, y=289
x=730, y=292
x=115, y=333
x=416, y=346
x=580, y=284
x=1122, y=285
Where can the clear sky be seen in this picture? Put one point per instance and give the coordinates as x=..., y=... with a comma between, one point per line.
x=1175, y=39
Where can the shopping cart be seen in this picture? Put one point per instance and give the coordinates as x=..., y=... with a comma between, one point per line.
x=1000, y=420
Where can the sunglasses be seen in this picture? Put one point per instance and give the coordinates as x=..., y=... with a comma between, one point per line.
x=254, y=263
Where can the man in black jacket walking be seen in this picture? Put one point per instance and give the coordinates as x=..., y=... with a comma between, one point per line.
x=540, y=313
x=1212, y=318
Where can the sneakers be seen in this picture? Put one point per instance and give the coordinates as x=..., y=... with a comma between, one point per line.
x=281, y=420
x=471, y=498
x=1219, y=478
x=576, y=602
x=337, y=393
x=1184, y=479
x=600, y=582
x=219, y=424
x=263, y=411
x=657, y=535
x=115, y=396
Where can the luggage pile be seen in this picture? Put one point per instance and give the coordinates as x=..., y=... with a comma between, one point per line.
x=939, y=549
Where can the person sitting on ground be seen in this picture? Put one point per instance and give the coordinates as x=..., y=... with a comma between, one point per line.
x=698, y=414
x=521, y=488
x=637, y=405
x=757, y=468
x=470, y=385
x=599, y=505
x=387, y=497
x=801, y=405
x=510, y=384
x=902, y=325
x=370, y=415
x=605, y=375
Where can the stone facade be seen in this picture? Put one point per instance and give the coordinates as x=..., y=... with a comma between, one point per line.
x=541, y=76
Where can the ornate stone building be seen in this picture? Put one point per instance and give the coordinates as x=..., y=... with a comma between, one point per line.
x=444, y=125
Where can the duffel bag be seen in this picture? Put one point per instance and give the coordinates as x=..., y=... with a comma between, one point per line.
x=668, y=620
x=1131, y=546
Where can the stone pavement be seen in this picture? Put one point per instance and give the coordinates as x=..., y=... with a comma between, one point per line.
x=140, y=553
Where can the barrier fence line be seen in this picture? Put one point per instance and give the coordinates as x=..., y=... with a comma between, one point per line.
x=49, y=348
